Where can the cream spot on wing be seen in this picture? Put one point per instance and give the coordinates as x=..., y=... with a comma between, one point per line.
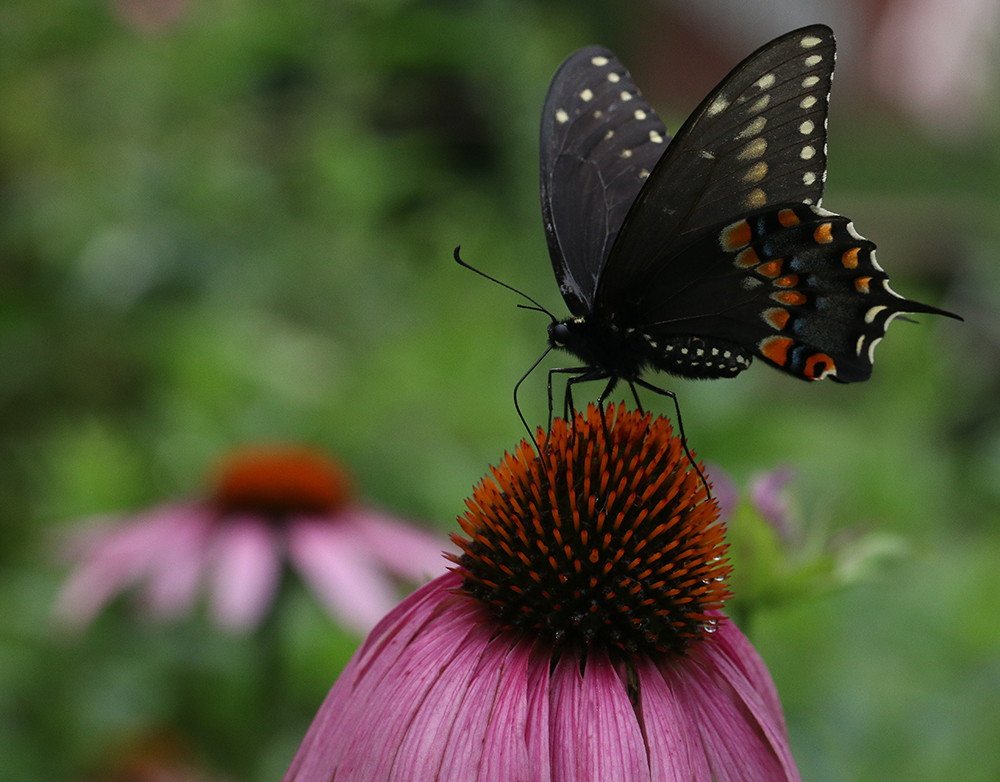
x=808, y=102
x=599, y=61
x=807, y=153
x=640, y=114
x=810, y=81
x=813, y=60
x=586, y=95
x=755, y=148
x=614, y=78
x=765, y=82
x=717, y=106
x=873, y=313
x=871, y=350
x=626, y=96
x=755, y=173
x=808, y=178
x=760, y=104
x=655, y=137
x=807, y=127
x=809, y=41
x=626, y=153
x=756, y=198
x=753, y=128
x=562, y=116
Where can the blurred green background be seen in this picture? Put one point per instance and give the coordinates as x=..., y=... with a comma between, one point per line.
x=227, y=221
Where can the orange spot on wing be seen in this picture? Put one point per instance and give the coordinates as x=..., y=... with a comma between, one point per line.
x=787, y=282
x=775, y=349
x=771, y=268
x=824, y=234
x=792, y=298
x=819, y=365
x=788, y=218
x=747, y=258
x=861, y=283
x=735, y=236
x=850, y=258
x=776, y=317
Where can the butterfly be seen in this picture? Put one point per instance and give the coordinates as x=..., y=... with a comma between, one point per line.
x=695, y=255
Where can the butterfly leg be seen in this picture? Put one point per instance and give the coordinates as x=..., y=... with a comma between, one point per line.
x=582, y=373
x=612, y=382
x=635, y=396
x=680, y=427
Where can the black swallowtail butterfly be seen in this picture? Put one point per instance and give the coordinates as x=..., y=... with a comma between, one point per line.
x=694, y=255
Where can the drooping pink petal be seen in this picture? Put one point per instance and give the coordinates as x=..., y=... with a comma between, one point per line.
x=405, y=550
x=378, y=656
x=489, y=742
x=117, y=558
x=175, y=574
x=452, y=704
x=244, y=568
x=675, y=751
x=340, y=568
x=374, y=723
x=732, y=647
x=735, y=664
x=732, y=739
x=595, y=733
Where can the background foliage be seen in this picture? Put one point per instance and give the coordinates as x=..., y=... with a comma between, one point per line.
x=226, y=221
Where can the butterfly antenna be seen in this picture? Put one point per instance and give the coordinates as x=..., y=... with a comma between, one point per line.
x=537, y=307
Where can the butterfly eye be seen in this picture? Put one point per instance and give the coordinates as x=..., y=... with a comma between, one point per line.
x=559, y=334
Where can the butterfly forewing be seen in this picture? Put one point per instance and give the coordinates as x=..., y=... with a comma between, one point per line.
x=599, y=142
x=757, y=140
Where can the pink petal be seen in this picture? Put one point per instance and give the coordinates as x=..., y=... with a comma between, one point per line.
x=406, y=550
x=675, y=751
x=379, y=707
x=384, y=650
x=245, y=566
x=451, y=705
x=342, y=571
x=174, y=577
x=733, y=743
x=595, y=733
x=737, y=667
x=119, y=556
x=487, y=741
x=732, y=647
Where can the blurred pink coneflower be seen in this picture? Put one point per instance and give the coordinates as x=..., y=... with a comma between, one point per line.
x=578, y=637
x=268, y=506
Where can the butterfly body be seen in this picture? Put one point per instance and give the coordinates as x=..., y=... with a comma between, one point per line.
x=695, y=254
x=610, y=351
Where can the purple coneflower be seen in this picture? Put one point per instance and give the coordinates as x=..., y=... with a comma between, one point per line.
x=579, y=637
x=268, y=505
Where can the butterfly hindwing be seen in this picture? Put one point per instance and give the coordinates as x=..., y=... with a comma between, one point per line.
x=758, y=139
x=599, y=141
x=798, y=286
